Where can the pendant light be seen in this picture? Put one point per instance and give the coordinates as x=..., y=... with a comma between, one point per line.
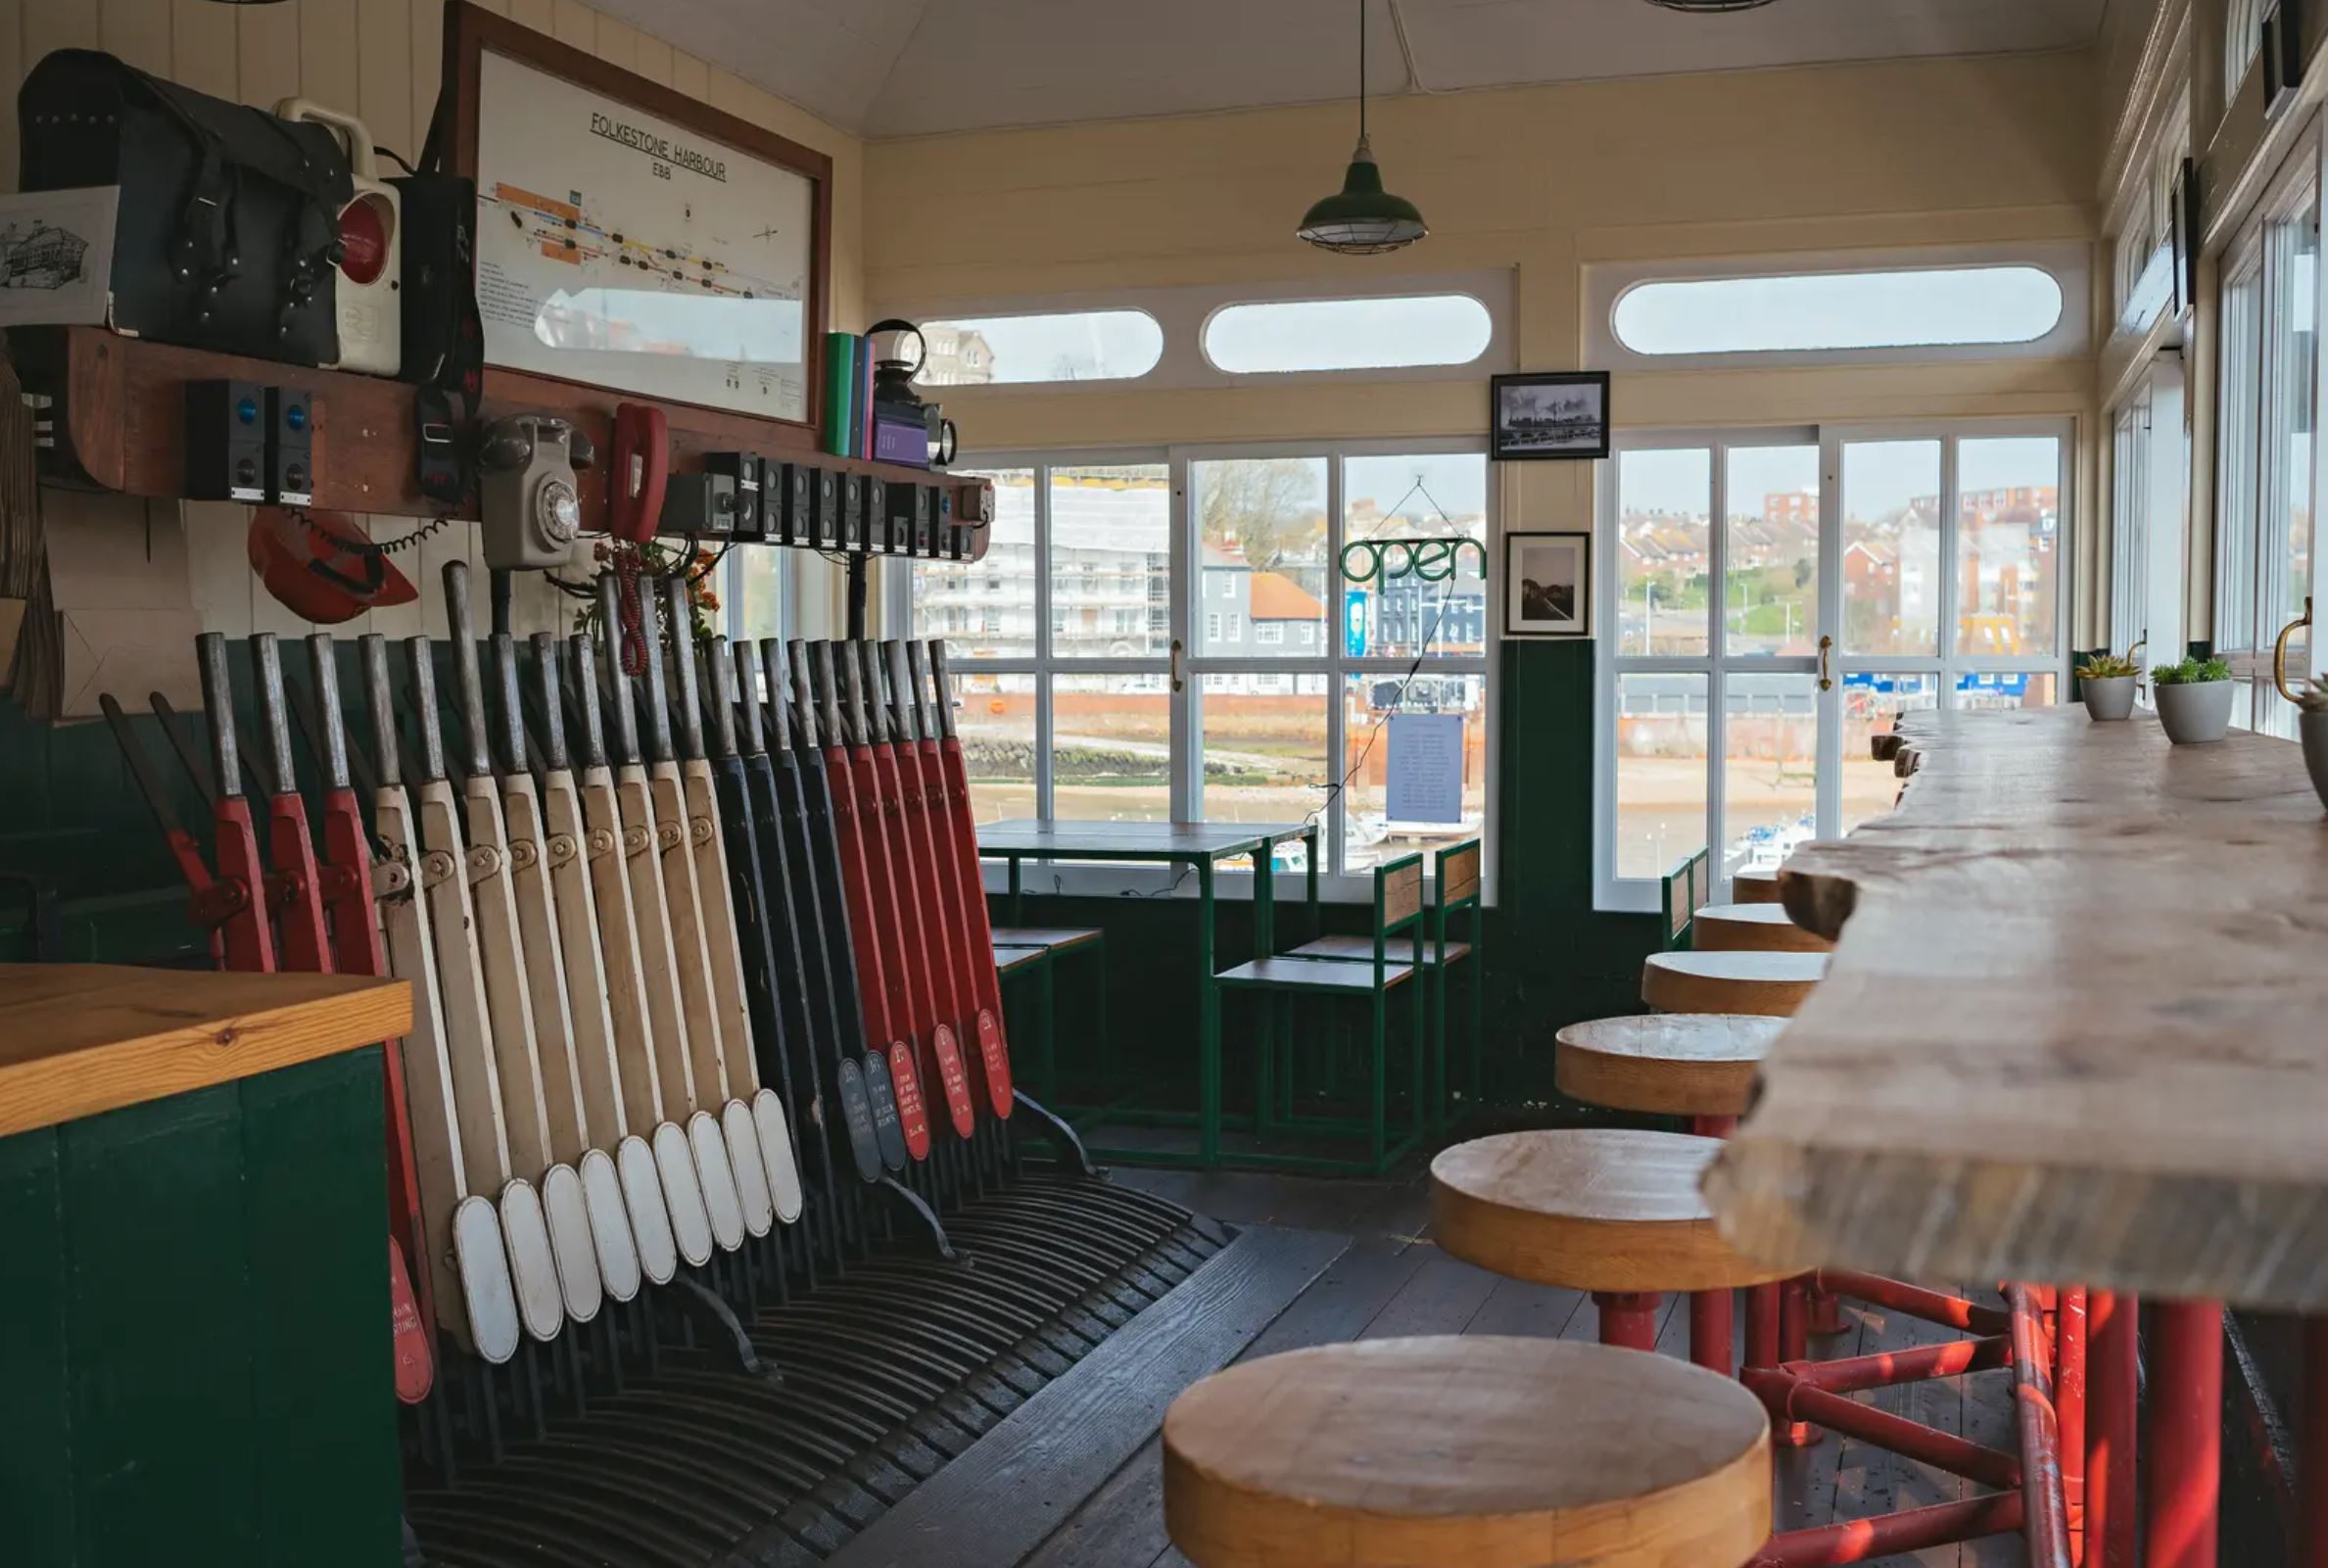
x=1362, y=219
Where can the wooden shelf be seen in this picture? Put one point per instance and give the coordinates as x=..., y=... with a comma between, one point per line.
x=77, y=1039
x=2075, y=1029
x=121, y=408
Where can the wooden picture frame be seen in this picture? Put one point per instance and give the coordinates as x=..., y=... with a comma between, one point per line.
x=1548, y=584
x=1548, y=416
x=471, y=33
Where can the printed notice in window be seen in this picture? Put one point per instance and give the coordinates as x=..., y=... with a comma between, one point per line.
x=1425, y=769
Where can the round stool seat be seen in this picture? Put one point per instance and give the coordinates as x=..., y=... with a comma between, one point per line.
x=1755, y=887
x=1596, y=1208
x=1772, y=984
x=1488, y=1452
x=1672, y=1063
x=1752, y=929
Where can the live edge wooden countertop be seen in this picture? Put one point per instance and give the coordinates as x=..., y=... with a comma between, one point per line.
x=80, y=1038
x=2075, y=1028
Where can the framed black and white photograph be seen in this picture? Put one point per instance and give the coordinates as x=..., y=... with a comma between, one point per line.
x=1548, y=414
x=1548, y=585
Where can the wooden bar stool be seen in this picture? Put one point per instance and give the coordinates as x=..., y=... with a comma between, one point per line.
x=1695, y=1065
x=1486, y=1453
x=1754, y=929
x=1755, y=887
x=1606, y=1209
x=1772, y=984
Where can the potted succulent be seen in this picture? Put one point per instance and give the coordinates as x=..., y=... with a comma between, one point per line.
x=2194, y=699
x=2105, y=682
x=2311, y=724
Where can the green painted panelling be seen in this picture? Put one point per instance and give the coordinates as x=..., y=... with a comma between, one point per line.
x=36, y=1452
x=323, y=1385
x=158, y=1313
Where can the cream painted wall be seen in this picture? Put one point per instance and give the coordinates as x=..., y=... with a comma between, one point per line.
x=1541, y=181
x=381, y=58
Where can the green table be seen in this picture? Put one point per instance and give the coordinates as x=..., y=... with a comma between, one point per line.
x=1203, y=846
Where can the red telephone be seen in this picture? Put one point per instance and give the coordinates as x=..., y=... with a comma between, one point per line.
x=642, y=467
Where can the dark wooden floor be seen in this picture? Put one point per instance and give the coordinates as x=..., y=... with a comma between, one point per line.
x=1392, y=1281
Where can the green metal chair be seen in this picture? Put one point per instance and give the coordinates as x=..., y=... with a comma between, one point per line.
x=1016, y=962
x=1686, y=889
x=1049, y=944
x=1456, y=890
x=1399, y=912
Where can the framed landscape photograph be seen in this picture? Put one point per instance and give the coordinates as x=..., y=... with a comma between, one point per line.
x=1548, y=585
x=1548, y=414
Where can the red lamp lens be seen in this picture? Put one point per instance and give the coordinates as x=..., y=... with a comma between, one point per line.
x=363, y=235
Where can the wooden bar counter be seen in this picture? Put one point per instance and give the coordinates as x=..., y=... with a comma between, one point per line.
x=2076, y=1027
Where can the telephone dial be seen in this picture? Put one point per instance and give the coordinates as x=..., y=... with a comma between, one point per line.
x=527, y=491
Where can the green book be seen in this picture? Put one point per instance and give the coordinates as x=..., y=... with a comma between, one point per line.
x=840, y=389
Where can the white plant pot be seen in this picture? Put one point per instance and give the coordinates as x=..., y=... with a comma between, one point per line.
x=2112, y=697
x=2314, y=728
x=2194, y=715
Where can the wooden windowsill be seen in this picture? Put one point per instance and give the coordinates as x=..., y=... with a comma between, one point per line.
x=2075, y=1029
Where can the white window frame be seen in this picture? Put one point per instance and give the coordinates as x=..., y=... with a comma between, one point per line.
x=2243, y=43
x=1612, y=894
x=1186, y=596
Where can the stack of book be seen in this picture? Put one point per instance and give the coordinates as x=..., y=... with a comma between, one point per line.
x=856, y=425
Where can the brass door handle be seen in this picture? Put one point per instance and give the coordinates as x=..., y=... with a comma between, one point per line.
x=2279, y=650
x=1179, y=682
x=1826, y=645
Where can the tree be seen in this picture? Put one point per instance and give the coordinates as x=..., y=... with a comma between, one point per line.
x=1269, y=506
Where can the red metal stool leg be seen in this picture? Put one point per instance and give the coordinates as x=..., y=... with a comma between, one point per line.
x=1710, y=1336
x=2312, y=1552
x=2069, y=1395
x=1795, y=1325
x=2112, y=1381
x=1628, y=1318
x=2186, y=1436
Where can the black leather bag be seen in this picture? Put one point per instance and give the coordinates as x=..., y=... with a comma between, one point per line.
x=228, y=227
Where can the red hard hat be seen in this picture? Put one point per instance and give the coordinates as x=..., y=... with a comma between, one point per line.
x=322, y=566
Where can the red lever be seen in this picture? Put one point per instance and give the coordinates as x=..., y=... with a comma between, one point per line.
x=642, y=467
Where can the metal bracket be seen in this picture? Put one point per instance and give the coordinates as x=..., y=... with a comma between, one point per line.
x=913, y=1201
x=1053, y=1127
x=709, y=1312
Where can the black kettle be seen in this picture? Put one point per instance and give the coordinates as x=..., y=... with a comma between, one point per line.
x=892, y=373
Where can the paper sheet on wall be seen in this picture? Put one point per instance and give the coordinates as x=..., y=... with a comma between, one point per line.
x=1425, y=766
x=56, y=255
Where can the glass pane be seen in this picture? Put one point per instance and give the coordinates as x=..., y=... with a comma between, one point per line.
x=1112, y=747
x=1664, y=545
x=1770, y=768
x=986, y=610
x=1398, y=602
x=1661, y=772
x=1770, y=581
x=1902, y=309
x=1263, y=736
x=994, y=715
x=1261, y=539
x=1069, y=345
x=1870, y=705
x=1891, y=546
x=1371, y=834
x=1348, y=334
x=2236, y=506
x=2129, y=528
x=2026, y=690
x=760, y=593
x=1110, y=561
x=2292, y=263
x=2009, y=510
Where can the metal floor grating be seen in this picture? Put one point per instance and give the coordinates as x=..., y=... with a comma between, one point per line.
x=647, y=1444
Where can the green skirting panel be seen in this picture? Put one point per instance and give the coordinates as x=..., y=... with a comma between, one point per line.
x=194, y=1352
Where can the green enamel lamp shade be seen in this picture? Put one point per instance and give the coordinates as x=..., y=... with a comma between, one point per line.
x=1362, y=219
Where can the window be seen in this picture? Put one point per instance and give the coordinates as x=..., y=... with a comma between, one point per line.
x=1276, y=714
x=2267, y=424
x=1778, y=595
x=1897, y=309
x=1065, y=346
x=1348, y=334
x=2243, y=41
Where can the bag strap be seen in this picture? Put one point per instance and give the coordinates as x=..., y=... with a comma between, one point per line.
x=447, y=407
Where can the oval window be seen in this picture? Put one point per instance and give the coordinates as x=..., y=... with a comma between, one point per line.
x=1386, y=334
x=1924, y=308
x=1065, y=345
